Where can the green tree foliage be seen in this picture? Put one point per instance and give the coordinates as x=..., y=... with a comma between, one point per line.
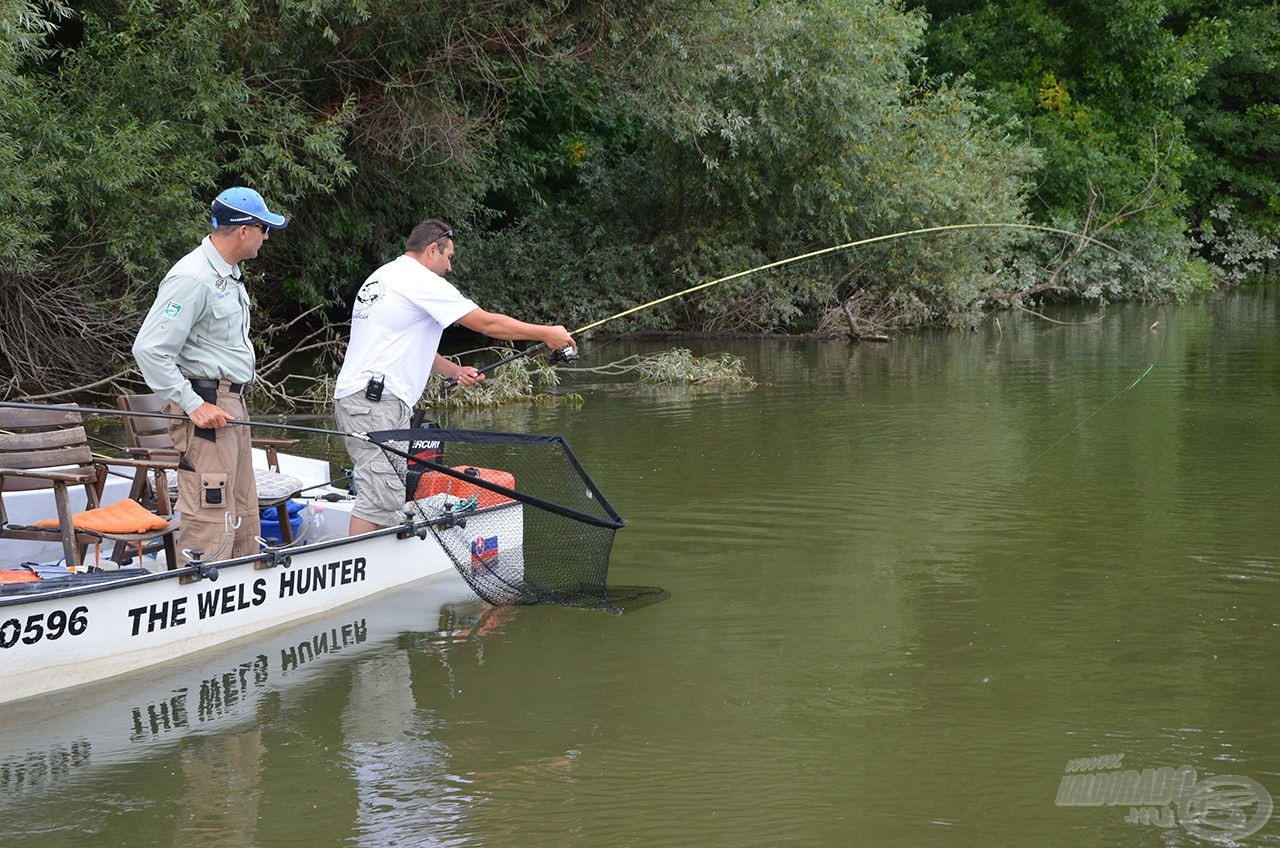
x=807, y=131
x=756, y=132
x=1234, y=126
x=23, y=198
x=603, y=153
x=1152, y=112
x=125, y=118
x=134, y=114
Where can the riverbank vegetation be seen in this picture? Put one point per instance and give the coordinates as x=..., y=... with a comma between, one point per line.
x=597, y=154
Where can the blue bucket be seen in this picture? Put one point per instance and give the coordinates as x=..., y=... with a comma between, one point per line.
x=271, y=525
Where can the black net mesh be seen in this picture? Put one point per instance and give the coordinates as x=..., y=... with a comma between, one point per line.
x=517, y=514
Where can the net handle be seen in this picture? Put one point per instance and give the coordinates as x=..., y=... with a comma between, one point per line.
x=532, y=500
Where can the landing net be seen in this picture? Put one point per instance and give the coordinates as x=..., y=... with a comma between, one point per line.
x=516, y=513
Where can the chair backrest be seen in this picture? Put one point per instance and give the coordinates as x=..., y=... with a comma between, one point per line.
x=47, y=447
x=42, y=437
x=144, y=431
x=50, y=445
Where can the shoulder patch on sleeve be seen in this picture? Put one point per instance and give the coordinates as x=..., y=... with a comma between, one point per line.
x=172, y=309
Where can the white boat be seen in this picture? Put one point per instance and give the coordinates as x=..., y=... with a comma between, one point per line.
x=68, y=629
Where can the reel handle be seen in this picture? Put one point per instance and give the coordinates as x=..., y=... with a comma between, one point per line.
x=568, y=353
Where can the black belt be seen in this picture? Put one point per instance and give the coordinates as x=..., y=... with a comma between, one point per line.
x=203, y=385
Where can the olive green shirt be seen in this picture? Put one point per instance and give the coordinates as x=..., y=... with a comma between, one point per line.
x=198, y=327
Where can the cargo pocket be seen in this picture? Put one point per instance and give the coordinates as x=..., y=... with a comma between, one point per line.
x=213, y=491
x=360, y=410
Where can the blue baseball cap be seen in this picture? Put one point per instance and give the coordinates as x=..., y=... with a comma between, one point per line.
x=239, y=206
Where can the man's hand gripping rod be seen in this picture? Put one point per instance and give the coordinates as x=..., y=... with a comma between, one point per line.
x=568, y=353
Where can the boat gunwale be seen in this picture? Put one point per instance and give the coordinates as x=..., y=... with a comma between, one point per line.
x=25, y=595
x=28, y=593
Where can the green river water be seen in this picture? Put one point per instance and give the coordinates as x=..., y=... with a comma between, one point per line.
x=884, y=598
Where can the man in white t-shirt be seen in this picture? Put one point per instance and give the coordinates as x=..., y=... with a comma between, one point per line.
x=399, y=315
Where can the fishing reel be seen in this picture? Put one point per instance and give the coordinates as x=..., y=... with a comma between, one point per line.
x=568, y=353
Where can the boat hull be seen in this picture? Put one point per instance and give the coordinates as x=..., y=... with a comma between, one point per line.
x=67, y=636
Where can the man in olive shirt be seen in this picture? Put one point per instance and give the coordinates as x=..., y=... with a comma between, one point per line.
x=195, y=353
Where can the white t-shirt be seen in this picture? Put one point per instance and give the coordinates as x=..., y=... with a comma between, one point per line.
x=399, y=315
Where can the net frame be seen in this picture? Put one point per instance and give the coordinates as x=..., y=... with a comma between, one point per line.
x=588, y=534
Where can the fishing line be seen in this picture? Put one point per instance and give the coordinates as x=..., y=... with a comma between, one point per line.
x=813, y=254
x=898, y=235
x=949, y=522
x=1083, y=421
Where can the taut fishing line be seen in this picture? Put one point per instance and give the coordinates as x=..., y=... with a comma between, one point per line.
x=814, y=254
x=862, y=243
x=989, y=498
x=570, y=355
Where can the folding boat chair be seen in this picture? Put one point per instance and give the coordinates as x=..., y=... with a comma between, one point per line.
x=47, y=448
x=149, y=437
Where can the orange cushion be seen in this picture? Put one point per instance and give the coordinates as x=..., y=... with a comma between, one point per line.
x=433, y=482
x=126, y=516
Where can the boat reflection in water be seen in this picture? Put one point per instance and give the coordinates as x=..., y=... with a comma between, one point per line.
x=361, y=725
x=56, y=742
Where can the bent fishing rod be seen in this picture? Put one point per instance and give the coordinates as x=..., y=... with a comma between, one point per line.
x=568, y=353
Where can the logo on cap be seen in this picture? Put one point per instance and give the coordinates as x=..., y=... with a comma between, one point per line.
x=239, y=205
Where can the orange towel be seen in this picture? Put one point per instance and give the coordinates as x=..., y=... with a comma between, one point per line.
x=127, y=516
